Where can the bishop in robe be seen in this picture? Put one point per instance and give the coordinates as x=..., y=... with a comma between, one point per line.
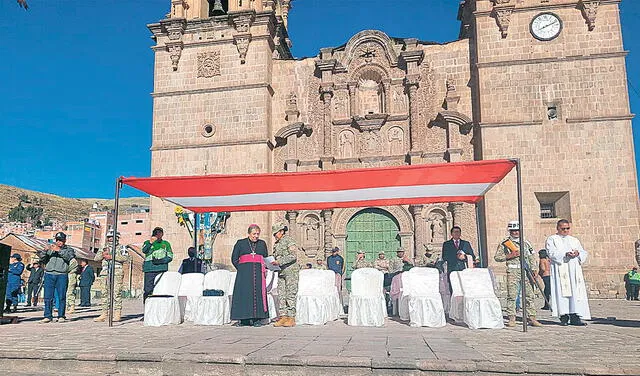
x=569, y=299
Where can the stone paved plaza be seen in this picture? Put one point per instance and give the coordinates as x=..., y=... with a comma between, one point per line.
x=609, y=345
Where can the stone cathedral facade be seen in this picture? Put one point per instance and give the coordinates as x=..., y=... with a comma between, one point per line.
x=539, y=80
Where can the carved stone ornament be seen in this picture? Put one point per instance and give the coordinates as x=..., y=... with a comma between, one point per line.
x=590, y=11
x=175, y=28
x=499, y=2
x=242, y=22
x=370, y=122
x=175, y=51
x=209, y=64
x=503, y=18
x=242, y=43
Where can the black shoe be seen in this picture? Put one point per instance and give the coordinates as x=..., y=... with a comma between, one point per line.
x=545, y=308
x=575, y=320
x=564, y=320
x=257, y=323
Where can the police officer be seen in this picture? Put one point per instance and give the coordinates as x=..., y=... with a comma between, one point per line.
x=105, y=257
x=509, y=252
x=285, y=252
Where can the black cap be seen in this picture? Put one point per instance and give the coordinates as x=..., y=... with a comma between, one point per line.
x=156, y=231
x=61, y=236
x=335, y=249
x=16, y=256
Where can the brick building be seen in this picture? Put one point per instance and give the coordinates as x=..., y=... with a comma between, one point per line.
x=539, y=80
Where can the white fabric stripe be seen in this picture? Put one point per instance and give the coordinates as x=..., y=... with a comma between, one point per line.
x=364, y=194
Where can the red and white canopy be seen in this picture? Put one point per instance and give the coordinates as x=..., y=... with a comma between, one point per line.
x=417, y=184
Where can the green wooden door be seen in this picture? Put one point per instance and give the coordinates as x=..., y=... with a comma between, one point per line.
x=371, y=230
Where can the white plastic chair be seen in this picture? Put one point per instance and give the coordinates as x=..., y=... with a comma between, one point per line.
x=424, y=300
x=191, y=286
x=481, y=306
x=367, y=306
x=214, y=310
x=164, y=310
x=314, y=302
x=456, y=303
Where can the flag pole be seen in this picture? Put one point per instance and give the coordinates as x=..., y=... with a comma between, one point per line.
x=523, y=248
x=112, y=264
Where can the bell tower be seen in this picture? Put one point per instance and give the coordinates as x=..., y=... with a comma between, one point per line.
x=550, y=87
x=213, y=94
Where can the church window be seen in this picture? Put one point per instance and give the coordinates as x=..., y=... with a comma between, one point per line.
x=554, y=205
x=370, y=94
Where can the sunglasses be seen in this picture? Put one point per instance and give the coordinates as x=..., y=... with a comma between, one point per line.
x=565, y=228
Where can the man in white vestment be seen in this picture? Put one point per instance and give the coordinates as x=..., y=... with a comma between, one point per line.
x=569, y=299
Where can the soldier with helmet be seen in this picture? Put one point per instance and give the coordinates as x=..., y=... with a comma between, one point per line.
x=105, y=256
x=509, y=252
x=285, y=252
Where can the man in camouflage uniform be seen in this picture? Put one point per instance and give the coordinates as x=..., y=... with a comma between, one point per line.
x=105, y=257
x=72, y=274
x=428, y=259
x=285, y=252
x=360, y=262
x=400, y=263
x=320, y=264
x=509, y=252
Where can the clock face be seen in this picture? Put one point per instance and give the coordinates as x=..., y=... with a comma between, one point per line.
x=546, y=26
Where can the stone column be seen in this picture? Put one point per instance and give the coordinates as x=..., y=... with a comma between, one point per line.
x=353, y=111
x=328, y=236
x=456, y=209
x=293, y=225
x=411, y=83
x=326, y=94
x=388, y=98
x=418, y=228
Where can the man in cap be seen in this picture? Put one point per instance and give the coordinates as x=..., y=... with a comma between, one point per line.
x=400, y=263
x=285, y=252
x=428, y=259
x=34, y=283
x=382, y=263
x=360, y=261
x=157, y=256
x=319, y=265
x=107, y=262
x=335, y=262
x=509, y=251
x=57, y=258
x=16, y=267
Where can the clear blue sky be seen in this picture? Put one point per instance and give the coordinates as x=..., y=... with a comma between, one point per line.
x=75, y=109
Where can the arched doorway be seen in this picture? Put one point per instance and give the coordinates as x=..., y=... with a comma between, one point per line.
x=372, y=230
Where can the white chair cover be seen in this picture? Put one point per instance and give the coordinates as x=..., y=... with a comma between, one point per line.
x=272, y=293
x=456, y=303
x=214, y=310
x=232, y=283
x=367, y=306
x=481, y=306
x=317, y=300
x=191, y=286
x=164, y=311
x=424, y=303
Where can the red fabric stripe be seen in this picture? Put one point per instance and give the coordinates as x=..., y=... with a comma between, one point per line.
x=331, y=205
x=225, y=185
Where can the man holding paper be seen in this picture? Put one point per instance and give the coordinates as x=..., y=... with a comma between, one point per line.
x=569, y=299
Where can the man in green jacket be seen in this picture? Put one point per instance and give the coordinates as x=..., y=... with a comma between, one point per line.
x=157, y=256
x=634, y=283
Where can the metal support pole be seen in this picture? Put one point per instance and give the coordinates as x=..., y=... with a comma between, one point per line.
x=112, y=264
x=523, y=249
x=196, y=227
x=480, y=250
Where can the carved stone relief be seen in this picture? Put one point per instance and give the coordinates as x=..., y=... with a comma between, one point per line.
x=340, y=103
x=436, y=225
x=371, y=143
x=346, y=142
x=396, y=141
x=209, y=64
x=400, y=101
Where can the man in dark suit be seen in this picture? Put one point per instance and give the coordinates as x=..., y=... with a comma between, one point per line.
x=34, y=283
x=87, y=277
x=455, y=252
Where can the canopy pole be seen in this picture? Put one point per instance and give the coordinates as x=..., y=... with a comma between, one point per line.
x=523, y=249
x=479, y=237
x=112, y=264
x=196, y=226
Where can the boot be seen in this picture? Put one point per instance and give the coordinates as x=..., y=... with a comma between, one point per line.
x=117, y=316
x=564, y=320
x=512, y=321
x=281, y=322
x=291, y=322
x=574, y=320
x=534, y=322
x=102, y=318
